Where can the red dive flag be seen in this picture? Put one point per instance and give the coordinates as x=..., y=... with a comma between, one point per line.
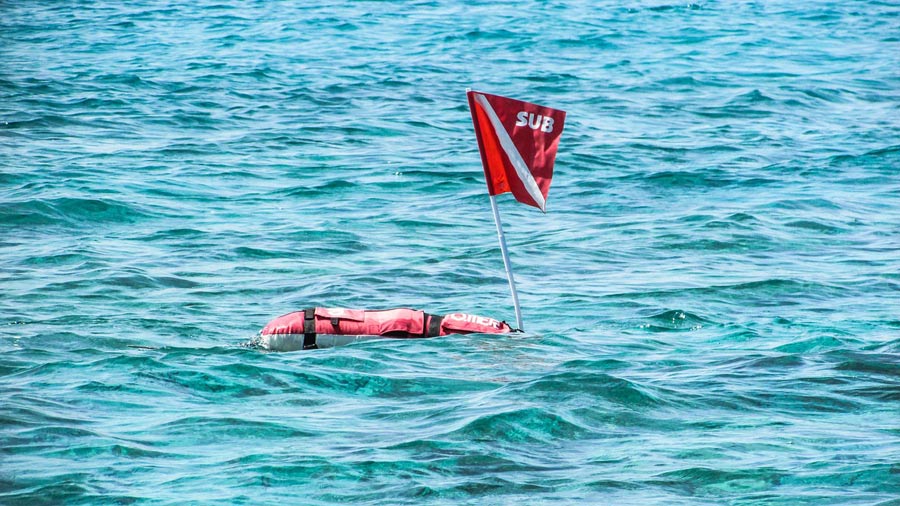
x=518, y=143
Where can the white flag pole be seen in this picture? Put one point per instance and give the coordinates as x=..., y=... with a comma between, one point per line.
x=505, y=252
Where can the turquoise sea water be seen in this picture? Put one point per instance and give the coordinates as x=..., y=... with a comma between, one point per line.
x=711, y=300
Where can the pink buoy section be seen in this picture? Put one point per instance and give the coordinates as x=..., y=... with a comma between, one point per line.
x=324, y=327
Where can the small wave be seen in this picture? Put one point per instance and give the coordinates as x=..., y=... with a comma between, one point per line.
x=815, y=344
x=590, y=385
x=143, y=281
x=704, y=480
x=70, y=211
x=805, y=204
x=260, y=253
x=777, y=291
x=688, y=6
x=44, y=121
x=816, y=226
x=15, y=415
x=175, y=233
x=673, y=320
x=332, y=186
x=869, y=363
x=769, y=362
x=45, y=436
x=200, y=384
x=741, y=221
x=751, y=104
x=117, y=450
x=880, y=393
x=66, y=488
x=688, y=179
x=607, y=364
x=594, y=42
x=126, y=79
x=750, y=97
x=882, y=160
x=217, y=427
x=523, y=425
x=831, y=95
x=104, y=103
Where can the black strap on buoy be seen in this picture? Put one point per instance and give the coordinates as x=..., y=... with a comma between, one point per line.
x=309, y=329
x=432, y=327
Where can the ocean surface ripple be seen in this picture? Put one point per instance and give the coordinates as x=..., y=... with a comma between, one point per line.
x=711, y=299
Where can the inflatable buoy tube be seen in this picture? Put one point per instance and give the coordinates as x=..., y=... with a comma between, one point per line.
x=321, y=327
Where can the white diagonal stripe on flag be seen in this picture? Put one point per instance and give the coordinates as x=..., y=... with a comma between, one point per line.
x=509, y=147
